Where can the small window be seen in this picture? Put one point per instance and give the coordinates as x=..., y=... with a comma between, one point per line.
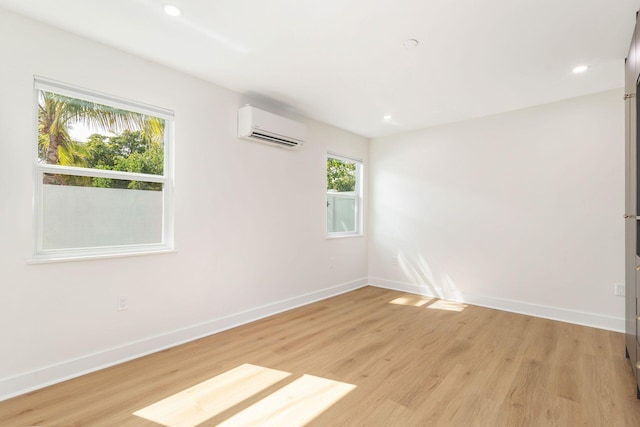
x=344, y=196
x=103, y=174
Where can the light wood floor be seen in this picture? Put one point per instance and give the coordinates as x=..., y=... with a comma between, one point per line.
x=359, y=360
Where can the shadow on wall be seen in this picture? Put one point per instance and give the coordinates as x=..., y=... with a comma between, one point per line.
x=420, y=273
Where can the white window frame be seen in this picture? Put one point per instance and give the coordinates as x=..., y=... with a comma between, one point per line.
x=52, y=255
x=356, y=195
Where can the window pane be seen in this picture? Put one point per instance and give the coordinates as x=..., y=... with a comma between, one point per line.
x=343, y=195
x=79, y=214
x=75, y=132
x=341, y=214
x=89, y=181
x=341, y=175
x=84, y=209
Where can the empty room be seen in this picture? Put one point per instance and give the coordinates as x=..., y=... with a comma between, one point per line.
x=303, y=213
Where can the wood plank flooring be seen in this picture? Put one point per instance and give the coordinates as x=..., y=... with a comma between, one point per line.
x=359, y=360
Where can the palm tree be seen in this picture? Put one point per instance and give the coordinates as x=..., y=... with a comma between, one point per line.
x=73, y=153
x=57, y=112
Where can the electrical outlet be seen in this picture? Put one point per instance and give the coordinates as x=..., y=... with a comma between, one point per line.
x=122, y=303
x=619, y=289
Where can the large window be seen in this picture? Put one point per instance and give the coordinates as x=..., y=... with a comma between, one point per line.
x=103, y=179
x=344, y=196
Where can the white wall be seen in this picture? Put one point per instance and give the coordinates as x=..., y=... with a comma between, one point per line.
x=245, y=247
x=520, y=211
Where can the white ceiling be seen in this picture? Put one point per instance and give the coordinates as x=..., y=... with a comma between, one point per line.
x=342, y=61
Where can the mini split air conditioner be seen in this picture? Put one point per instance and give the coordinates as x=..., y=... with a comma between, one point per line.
x=261, y=126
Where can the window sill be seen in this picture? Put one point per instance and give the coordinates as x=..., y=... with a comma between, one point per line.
x=44, y=259
x=343, y=235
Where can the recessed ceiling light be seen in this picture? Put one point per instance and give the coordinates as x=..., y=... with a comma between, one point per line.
x=171, y=10
x=410, y=43
x=580, y=69
x=387, y=117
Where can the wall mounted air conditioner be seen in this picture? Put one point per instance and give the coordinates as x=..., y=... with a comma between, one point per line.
x=261, y=126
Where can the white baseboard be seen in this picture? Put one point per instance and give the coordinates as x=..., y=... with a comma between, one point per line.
x=595, y=320
x=52, y=374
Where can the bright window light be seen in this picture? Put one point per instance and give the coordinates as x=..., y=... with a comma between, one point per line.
x=295, y=404
x=195, y=405
x=447, y=305
x=580, y=69
x=411, y=300
x=172, y=10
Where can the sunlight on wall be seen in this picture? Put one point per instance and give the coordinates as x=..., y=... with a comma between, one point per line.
x=414, y=275
x=419, y=273
x=425, y=269
x=449, y=289
x=293, y=405
x=194, y=405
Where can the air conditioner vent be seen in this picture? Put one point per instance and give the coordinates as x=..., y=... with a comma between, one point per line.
x=275, y=140
x=261, y=126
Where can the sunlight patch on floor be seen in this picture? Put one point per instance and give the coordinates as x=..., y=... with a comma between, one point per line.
x=197, y=404
x=448, y=305
x=295, y=404
x=412, y=300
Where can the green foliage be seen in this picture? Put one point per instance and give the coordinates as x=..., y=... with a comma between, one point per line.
x=102, y=152
x=341, y=176
x=57, y=112
x=76, y=154
x=130, y=150
x=127, y=152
